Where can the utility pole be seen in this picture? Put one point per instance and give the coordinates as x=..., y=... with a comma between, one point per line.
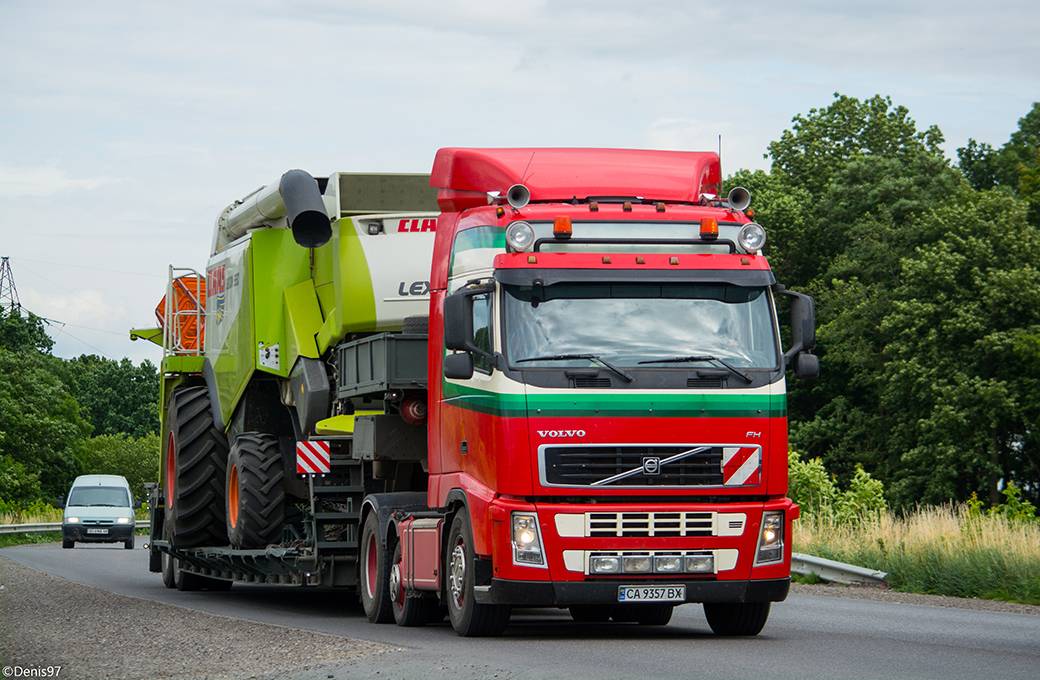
x=8, y=292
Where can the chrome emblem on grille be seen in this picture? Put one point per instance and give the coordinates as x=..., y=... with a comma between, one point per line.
x=652, y=466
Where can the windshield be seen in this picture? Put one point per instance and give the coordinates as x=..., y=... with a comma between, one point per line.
x=99, y=496
x=635, y=324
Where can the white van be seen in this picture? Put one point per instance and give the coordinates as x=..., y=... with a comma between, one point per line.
x=99, y=509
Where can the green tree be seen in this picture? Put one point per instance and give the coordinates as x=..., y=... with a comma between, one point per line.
x=960, y=401
x=135, y=459
x=116, y=396
x=41, y=427
x=19, y=333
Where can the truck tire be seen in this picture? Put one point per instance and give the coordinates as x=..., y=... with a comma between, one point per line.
x=468, y=617
x=196, y=456
x=374, y=576
x=255, y=497
x=416, y=325
x=737, y=619
x=408, y=611
x=68, y=543
x=644, y=614
x=129, y=543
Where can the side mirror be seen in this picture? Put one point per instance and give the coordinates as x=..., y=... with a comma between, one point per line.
x=806, y=366
x=458, y=318
x=803, y=335
x=458, y=366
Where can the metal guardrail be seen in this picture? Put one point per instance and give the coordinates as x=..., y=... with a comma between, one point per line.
x=50, y=526
x=829, y=570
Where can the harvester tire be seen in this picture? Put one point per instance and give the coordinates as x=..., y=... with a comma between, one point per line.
x=194, y=471
x=374, y=575
x=468, y=617
x=737, y=619
x=255, y=496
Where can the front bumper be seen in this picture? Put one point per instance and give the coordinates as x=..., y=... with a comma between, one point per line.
x=115, y=533
x=605, y=592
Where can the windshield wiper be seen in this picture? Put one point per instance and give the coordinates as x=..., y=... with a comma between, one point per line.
x=703, y=357
x=591, y=357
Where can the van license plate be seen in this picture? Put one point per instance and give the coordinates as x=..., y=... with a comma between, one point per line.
x=675, y=593
x=97, y=531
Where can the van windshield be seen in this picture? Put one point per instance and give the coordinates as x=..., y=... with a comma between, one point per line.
x=99, y=496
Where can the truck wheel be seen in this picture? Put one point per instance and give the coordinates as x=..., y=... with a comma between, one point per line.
x=408, y=611
x=654, y=615
x=374, y=579
x=468, y=617
x=732, y=619
x=196, y=456
x=255, y=497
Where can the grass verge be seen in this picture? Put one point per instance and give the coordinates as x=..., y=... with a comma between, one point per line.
x=946, y=550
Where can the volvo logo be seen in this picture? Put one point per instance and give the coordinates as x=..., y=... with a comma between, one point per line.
x=557, y=434
x=651, y=466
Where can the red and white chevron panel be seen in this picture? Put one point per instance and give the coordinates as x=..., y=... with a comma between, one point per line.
x=741, y=465
x=313, y=458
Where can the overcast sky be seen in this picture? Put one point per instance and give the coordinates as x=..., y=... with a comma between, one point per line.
x=125, y=127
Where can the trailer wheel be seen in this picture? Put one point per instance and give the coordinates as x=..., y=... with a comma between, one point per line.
x=196, y=456
x=255, y=497
x=169, y=571
x=468, y=617
x=733, y=619
x=408, y=611
x=374, y=579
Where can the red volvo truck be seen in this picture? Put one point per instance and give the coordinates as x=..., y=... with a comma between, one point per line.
x=555, y=378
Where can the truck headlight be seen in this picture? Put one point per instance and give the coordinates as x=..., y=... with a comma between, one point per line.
x=527, y=540
x=771, y=538
x=605, y=564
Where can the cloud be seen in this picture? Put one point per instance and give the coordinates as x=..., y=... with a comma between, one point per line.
x=43, y=180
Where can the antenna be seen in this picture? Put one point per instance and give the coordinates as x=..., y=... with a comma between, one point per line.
x=8, y=292
x=720, y=166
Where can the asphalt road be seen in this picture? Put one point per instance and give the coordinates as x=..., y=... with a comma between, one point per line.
x=806, y=636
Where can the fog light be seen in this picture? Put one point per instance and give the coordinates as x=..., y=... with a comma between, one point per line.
x=636, y=564
x=668, y=564
x=700, y=564
x=605, y=565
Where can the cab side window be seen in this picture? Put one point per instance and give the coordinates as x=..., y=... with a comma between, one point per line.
x=482, y=332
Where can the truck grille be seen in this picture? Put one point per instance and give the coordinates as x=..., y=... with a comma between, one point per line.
x=646, y=524
x=632, y=466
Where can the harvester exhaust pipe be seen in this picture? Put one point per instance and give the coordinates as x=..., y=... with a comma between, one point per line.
x=296, y=198
x=305, y=209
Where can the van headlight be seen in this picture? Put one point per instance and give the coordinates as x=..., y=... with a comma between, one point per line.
x=72, y=520
x=527, y=540
x=123, y=520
